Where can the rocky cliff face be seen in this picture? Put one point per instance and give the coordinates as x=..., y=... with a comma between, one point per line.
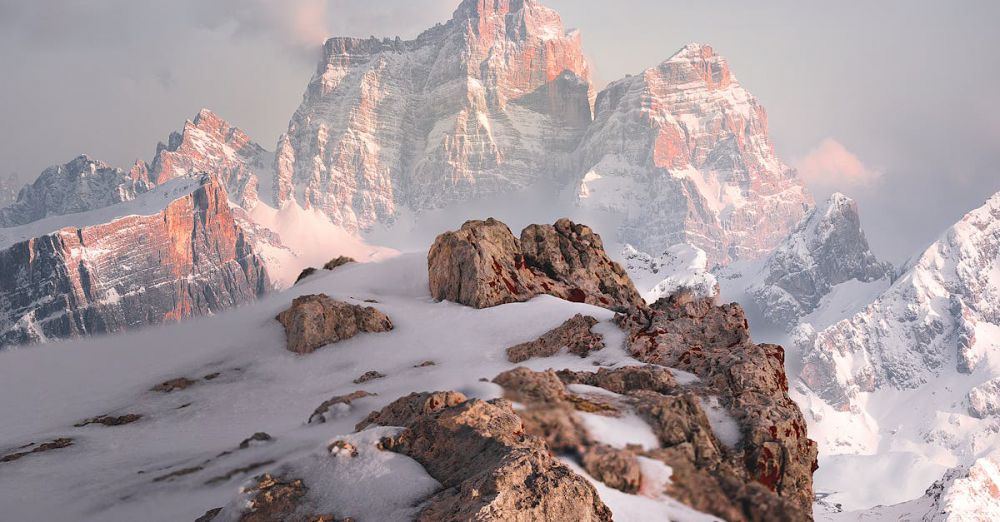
x=826, y=249
x=186, y=258
x=681, y=152
x=78, y=186
x=941, y=315
x=494, y=100
x=209, y=144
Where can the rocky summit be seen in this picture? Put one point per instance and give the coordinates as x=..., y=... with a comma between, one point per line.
x=483, y=265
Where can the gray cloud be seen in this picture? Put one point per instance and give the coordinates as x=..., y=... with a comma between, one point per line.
x=906, y=86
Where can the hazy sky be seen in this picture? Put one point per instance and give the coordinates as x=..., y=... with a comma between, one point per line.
x=896, y=103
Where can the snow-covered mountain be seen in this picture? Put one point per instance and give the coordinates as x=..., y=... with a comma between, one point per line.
x=78, y=186
x=212, y=145
x=941, y=316
x=681, y=153
x=826, y=249
x=492, y=101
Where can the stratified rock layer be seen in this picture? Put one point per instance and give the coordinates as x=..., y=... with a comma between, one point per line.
x=190, y=258
x=713, y=342
x=492, y=101
x=681, y=153
x=484, y=265
x=490, y=469
x=314, y=321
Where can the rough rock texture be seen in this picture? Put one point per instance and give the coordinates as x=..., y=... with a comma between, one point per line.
x=314, y=321
x=24, y=451
x=338, y=262
x=78, y=186
x=984, y=400
x=707, y=475
x=574, y=335
x=494, y=100
x=826, y=249
x=186, y=258
x=319, y=415
x=713, y=342
x=939, y=316
x=212, y=145
x=681, y=152
x=275, y=498
x=484, y=265
x=489, y=467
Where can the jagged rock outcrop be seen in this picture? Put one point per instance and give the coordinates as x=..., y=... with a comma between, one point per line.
x=575, y=335
x=709, y=471
x=713, y=342
x=483, y=265
x=937, y=317
x=494, y=100
x=984, y=400
x=314, y=321
x=184, y=257
x=78, y=186
x=826, y=249
x=209, y=144
x=489, y=468
x=681, y=152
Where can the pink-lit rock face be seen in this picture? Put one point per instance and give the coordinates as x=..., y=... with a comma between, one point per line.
x=188, y=259
x=491, y=101
x=682, y=151
x=209, y=144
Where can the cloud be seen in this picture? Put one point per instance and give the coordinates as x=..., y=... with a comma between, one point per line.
x=830, y=167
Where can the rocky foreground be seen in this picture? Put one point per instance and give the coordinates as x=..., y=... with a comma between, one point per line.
x=724, y=439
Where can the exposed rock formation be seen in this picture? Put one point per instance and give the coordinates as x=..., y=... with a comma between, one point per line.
x=78, y=186
x=826, y=249
x=681, y=152
x=484, y=265
x=186, y=258
x=209, y=144
x=713, y=342
x=938, y=315
x=492, y=101
x=319, y=416
x=314, y=321
x=678, y=268
x=708, y=474
x=272, y=498
x=338, y=262
x=575, y=335
x=489, y=468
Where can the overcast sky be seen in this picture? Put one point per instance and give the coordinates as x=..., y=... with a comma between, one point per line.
x=896, y=103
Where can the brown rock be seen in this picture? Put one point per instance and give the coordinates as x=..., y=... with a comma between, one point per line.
x=319, y=415
x=483, y=265
x=713, y=342
x=404, y=410
x=109, y=420
x=306, y=272
x=260, y=436
x=62, y=442
x=707, y=476
x=369, y=376
x=489, y=468
x=172, y=385
x=338, y=262
x=574, y=334
x=281, y=499
x=314, y=321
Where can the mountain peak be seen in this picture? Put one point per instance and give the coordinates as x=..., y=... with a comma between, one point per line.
x=697, y=64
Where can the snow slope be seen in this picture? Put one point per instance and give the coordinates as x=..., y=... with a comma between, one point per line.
x=116, y=473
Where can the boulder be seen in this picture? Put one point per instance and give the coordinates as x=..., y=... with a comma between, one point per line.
x=489, y=468
x=483, y=265
x=337, y=262
x=314, y=321
x=575, y=334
